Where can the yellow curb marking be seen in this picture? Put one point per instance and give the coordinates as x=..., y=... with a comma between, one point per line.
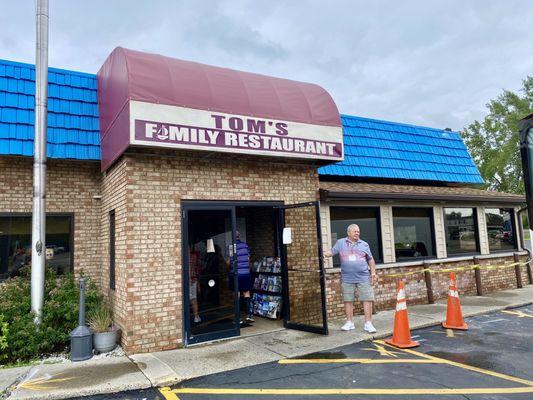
x=356, y=361
x=519, y=314
x=43, y=383
x=168, y=392
x=465, y=366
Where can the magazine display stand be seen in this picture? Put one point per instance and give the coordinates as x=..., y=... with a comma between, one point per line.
x=267, y=288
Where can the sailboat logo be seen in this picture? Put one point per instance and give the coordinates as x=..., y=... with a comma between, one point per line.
x=162, y=133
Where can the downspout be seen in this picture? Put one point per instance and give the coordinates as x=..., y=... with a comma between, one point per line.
x=38, y=230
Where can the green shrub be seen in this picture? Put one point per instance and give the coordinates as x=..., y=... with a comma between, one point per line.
x=25, y=340
x=3, y=333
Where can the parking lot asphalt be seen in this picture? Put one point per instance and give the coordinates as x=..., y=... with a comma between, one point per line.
x=492, y=360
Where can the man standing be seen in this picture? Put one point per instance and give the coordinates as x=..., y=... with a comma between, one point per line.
x=356, y=261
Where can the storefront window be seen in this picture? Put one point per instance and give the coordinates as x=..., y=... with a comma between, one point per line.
x=413, y=233
x=368, y=220
x=500, y=229
x=460, y=227
x=15, y=243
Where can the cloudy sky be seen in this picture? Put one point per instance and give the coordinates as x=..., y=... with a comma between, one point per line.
x=435, y=63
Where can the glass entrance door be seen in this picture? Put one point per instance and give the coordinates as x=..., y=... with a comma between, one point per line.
x=211, y=303
x=304, y=272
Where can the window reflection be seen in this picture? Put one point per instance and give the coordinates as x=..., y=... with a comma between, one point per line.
x=413, y=233
x=500, y=229
x=461, y=230
x=15, y=244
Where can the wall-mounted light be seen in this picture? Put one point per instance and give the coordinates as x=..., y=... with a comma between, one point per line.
x=97, y=196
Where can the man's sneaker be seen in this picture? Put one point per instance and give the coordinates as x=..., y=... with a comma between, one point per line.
x=348, y=326
x=369, y=327
x=250, y=318
x=197, y=319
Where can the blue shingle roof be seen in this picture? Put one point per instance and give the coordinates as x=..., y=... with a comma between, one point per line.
x=72, y=112
x=383, y=149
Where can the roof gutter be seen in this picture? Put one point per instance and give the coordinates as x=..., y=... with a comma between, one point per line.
x=328, y=196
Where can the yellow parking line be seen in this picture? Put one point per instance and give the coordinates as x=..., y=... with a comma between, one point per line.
x=464, y=366
x=520, y=314
x=168, y=393
x=357, y=360
x=355, y=391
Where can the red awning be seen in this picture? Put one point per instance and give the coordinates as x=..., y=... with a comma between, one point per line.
x=132, y=75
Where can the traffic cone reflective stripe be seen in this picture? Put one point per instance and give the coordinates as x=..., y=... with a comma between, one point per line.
x=454, y=315
x=401, y=303
x=401, y=336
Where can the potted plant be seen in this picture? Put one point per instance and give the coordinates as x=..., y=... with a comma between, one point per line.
x=105, y=332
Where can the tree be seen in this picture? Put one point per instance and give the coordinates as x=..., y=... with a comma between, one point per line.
x=494, y=143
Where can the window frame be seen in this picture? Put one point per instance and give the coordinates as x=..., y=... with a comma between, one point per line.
x=51, y=214
x=432, y=229
x=378, y=260
x=476, y=235
x=513, y=226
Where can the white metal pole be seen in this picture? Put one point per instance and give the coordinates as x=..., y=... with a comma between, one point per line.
x=38, y=245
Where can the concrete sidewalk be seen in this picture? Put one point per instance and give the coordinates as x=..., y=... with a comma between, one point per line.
x=109, y=375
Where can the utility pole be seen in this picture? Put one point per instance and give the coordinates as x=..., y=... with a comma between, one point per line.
x=38, y=227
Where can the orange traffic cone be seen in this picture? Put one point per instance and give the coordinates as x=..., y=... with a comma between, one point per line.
x=454, y=315
x=401, y=335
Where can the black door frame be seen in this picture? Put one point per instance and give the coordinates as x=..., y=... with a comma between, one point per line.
x=229, y=205
x=186, y=207
x=287, y=322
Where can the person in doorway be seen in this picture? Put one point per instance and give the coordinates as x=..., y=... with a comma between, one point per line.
x=358, y=274
x=243, y=274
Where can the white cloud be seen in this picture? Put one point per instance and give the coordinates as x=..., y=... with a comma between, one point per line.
x=430, y=63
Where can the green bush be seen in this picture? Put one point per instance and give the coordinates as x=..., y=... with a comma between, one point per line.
x=3, y=333
x=26, y=340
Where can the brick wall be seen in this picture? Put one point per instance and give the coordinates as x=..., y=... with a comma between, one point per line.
x=415, y=286
x=114, y=199
x=303, y=263
x=260, y=232
x=148, y=192
x=71, y=187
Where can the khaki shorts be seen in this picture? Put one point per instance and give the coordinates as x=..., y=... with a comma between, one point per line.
x=364, y=291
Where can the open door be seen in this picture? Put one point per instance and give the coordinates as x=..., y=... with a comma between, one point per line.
x=305, y=296
x=210, y=283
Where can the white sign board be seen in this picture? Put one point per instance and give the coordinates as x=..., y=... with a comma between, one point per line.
x=159, y=125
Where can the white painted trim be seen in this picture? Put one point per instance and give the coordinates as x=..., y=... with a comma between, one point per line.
x=440, y=231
